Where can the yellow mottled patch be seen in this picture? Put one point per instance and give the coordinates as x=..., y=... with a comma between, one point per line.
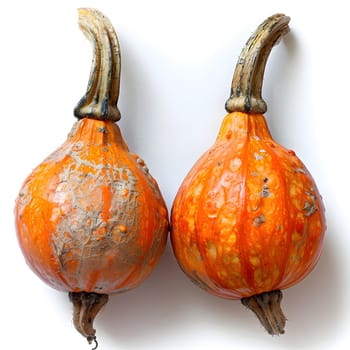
x=211, y=250
x=297, y=203
x=195, y=254
x=235, y=164
x=222, y=273
x=296, y=236
x=190, y=223
x=225, y=248
x=232, y=238
x=295, y=258
x=236, y=259
x=231, y=284
x=190, y=217
x=258, y=276
x=227, y=220
x=231, y=259
x=292, y=191
x=254, y=260
x=197, y=189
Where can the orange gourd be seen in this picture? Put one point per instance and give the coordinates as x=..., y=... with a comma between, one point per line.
x=90, y=218
x=248, y=220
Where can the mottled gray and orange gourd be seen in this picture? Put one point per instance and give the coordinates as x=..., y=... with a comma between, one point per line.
x=90, y=218
x=248, y=219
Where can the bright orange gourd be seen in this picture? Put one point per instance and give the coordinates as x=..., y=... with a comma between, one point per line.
x=90, y=219
x=248, y=220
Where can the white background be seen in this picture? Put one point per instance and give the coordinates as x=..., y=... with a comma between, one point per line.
x=178, y=59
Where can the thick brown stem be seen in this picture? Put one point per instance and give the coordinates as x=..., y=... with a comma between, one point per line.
x=267, y=308
x=85, y=308
x=249, y=73
x=100, y=100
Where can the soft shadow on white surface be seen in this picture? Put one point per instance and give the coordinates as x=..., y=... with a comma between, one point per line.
x=315, y=307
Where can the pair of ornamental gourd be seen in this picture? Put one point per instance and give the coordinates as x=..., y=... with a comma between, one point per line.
x=247, y=221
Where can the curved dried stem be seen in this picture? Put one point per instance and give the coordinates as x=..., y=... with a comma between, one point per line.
x=85, y=308
x=100, y=100
x=249, y=73
x=267, y=307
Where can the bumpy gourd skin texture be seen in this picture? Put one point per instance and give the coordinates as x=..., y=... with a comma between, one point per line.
x=90, y=217
x=248, y=217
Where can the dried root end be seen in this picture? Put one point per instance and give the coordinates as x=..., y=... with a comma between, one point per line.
x=267, y=308
x=85, y=308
